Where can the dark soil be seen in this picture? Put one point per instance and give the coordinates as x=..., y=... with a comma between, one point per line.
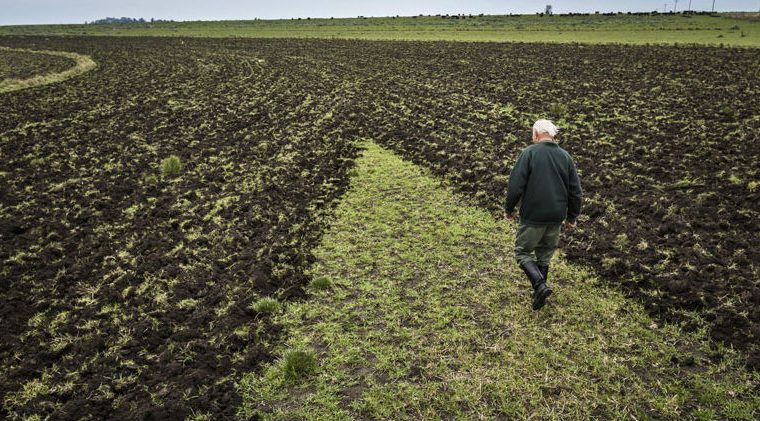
x=128, y=293
x=22, y=65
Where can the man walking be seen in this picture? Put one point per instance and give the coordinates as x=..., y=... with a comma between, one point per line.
x=545, y=180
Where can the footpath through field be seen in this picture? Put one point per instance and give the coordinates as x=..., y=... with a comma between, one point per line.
x=418, y=311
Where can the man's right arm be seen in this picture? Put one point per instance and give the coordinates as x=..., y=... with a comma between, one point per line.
x=518, y=179
x=575, y=195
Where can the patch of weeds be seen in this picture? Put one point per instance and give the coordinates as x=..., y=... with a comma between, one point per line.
x=219, y=206
x=266, y=305
x=320, y=284
x=150, y=179
x=507, y=109
x=704, y=414
x=557, y=110
x=242, y=331
x=29, y=391
x=621, y=242
x=199, y=416
x=740, y=410
x=297, y=363
x=171, y=166
x=187, y=304
x=609, y=262
x=132, y=210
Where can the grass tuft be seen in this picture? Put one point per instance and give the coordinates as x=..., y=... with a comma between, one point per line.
x=171, y=166
x=266, y=305
x=320, y=284
x=298, y=363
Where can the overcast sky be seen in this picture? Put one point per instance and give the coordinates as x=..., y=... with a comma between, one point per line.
x=77, y=11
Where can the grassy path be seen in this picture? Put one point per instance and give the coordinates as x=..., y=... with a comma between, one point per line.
x=419, y=312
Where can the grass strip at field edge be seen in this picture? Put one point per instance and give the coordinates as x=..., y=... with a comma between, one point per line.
x=83, y=65
x=418, y=311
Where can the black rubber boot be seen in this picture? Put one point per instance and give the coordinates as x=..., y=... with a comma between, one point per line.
x=541, y=291
x=544, y=271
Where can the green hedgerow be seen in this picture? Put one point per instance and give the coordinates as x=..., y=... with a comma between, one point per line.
x=266, y=305
x=171, y=166
x=298, y=363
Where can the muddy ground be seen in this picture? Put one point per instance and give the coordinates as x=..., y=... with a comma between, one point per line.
x=127, y=293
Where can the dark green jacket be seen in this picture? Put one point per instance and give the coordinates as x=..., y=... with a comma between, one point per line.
x=544, y=177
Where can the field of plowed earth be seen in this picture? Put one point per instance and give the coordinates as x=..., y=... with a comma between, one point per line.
x=21, y=65
x=133, y=293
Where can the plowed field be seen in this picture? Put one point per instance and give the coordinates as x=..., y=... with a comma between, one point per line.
x=127, y=293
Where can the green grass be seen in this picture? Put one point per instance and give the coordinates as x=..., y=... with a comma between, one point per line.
x=83, y=65
x=297, y=364
x=266, y=305
x=426, y=316
x=171, y=166
x=713, y=30
x=320, y=284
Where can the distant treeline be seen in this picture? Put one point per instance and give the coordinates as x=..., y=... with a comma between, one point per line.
x=108, y=21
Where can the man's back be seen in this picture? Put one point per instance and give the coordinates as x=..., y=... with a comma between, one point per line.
x=545, y=178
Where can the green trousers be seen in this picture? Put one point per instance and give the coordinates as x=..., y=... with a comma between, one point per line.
x=536, y=243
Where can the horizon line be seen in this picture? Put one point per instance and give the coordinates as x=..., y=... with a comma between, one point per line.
x=170, y=20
